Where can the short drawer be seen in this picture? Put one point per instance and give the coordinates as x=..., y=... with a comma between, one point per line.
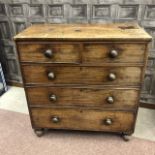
x=49, y=52
x=83, y=119
x=98, y=53
x=117, y=52
x=38, y=74
x=74, y=96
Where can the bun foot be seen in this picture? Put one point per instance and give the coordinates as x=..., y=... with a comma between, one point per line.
x=126, y=137
x=39, y=132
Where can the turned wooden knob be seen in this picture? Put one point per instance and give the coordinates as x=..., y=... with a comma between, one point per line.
x=108, y=121
x=53, y=97
x=51, y=75
x=113, y=53
x=55, y=119
x=48, y=53
x=110, y=99
x=112, y=76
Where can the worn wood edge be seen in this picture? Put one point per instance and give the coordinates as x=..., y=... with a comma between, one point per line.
x=119, y=133
x=84, y=64
x=116, y=40
x=24, y=63
x=26, y=95
x=103, y=85
x=115, y=26
x=85, y=86
x=82, y=107
x=86, y=130
x=76, y=42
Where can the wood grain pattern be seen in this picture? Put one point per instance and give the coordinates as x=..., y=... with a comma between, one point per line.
x=97, y=53
x=92, y=97
x=37, y=74
x=61, y=53
x=81, y=65
x=81, y=119
x=120, y=31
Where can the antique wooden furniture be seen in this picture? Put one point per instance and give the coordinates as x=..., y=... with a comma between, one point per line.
x=83, y=77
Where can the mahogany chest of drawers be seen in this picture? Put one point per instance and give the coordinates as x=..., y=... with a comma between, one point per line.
x=83, y=77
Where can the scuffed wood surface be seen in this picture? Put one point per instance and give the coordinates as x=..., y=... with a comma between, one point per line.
x=80, y=119
x=61, y=52
x=37, y=74
x=91, y=97
x=97, y=53
x=120, y=31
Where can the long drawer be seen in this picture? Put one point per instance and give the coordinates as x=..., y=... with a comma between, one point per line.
x=78, y=96
x=37, y=74
x=81, y=119
x=81, y=52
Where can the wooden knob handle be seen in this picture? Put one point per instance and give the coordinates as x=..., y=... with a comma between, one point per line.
x=110, y=99
x=108, y=121
x=55, y=119
x=48, y=53
x=53, y=97
x=112, y=76
x=113, y=53
x=51, y=75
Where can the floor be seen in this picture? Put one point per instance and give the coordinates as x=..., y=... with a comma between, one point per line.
x=21, y=140
x=14, y=100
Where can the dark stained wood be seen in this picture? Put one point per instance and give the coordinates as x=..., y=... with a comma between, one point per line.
x=94, y=97
x=81, y=119
x=37, y=74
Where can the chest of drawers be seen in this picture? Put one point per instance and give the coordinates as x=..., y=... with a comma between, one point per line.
x=83, y=77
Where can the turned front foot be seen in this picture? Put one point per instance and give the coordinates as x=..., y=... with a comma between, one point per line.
x=39, y=132
x=126, y=137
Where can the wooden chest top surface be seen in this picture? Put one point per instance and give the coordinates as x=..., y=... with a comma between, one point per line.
x=81, y=32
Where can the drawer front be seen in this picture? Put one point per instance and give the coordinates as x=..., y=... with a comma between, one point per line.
x=101, y=53
x=82, y=75
x=35, y=52
x=97, y=53
x=64, y=96
x=80, y=119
